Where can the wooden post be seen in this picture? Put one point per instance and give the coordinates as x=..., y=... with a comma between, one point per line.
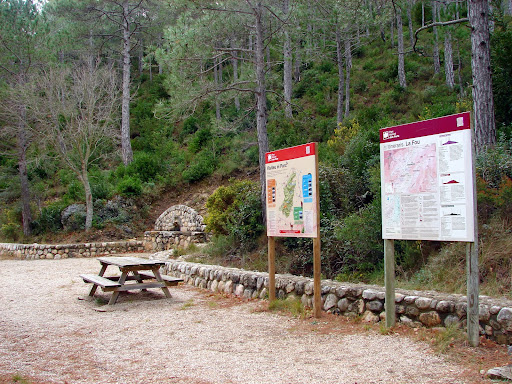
x=271, y=268
x=389, y=276
x=472, y=264
x=317, y=259
x=473, y=292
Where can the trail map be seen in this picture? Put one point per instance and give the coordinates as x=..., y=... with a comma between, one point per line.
x=427, y=180
x=291, y=199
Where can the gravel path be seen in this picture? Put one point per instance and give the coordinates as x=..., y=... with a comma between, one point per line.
x=49, y=336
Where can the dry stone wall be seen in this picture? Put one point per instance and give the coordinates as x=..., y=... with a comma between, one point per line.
x=156, y=241
x=62, y=251
x=414, y=308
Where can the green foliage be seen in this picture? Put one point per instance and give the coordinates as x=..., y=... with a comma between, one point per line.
x=49, y=219
x=202, y=137
x=130, y=186
x=501, y=61
x=235, y=210
x=202, y=165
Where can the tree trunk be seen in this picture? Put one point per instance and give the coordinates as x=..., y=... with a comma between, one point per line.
x=234, y=63
x=483, y=101
x=216, y=78
x=409, y=18
x=341, y=76
x=298, y=63
x=261, y=115
x=22, y=171
x=89, y=206
x=287, y=70
x=348, y=67
x=448, y=60
x=435, y=48
x=126, y=146
x=401, y=49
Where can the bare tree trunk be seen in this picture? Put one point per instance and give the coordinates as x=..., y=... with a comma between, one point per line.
x=409, y=18
x=216, y=78
x=422, y=13
x=89, y=206
x=341, y=76
x=287, y=70
x=483, y=101
x=459, y=73
x=22, y=171
x=435, y=48
x=448, y=60
x=261, y=97
x=298, y=63
x=234, y=63
x=401, y=48
x=126, y=146
x=348, y=66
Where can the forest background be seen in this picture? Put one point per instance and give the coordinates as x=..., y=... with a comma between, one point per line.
x=108, y=107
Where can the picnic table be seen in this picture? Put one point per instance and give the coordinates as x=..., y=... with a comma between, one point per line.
x=136, y=273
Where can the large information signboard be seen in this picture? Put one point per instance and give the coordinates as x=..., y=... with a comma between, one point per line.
x=291, y=192
x=427, y=180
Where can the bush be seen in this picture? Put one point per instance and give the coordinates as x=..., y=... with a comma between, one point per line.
x=235, y=210
x=49, y=220
x=130, y=186
x=202, y=166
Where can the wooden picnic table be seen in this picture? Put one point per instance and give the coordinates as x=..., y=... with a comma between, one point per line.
x=134, y=270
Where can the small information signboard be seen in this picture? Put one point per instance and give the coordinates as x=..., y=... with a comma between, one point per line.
x=427, y=180
x=293, y=207
x=291, y=198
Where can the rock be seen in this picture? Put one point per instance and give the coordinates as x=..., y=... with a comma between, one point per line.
x=451, y=320
x=330, y=301
x=430, y=319
x=343, y=304
x=375, y=306
x=445, y=306
x=505, y=318
x=500, y=373
x=370, y=317
x=423, y=302
x=73, y=217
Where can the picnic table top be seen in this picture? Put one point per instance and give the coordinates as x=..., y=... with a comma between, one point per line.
x=123, y=261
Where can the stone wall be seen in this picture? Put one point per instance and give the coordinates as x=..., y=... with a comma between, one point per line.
x=61, y=251
x=414, y=308
x=156, y=241
x=180, y=218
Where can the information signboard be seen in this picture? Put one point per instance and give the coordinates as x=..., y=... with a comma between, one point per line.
x=291, y=174
x=427, y=180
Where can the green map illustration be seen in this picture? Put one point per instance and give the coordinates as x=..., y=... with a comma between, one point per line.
x=289, y=190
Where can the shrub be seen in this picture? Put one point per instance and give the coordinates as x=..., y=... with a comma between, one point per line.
x=49, y=220
x=130, y=186
x=235, y=210
x=203, y=165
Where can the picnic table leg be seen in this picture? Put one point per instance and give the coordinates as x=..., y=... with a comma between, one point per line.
x=94, y=286
x=158, y=277
x=139, y=279
x=115, y=294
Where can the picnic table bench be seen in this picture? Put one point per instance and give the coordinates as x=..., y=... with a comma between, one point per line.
x=132, y=269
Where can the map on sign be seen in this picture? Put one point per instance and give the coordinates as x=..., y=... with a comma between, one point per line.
x=427, y=180
x=291, y=201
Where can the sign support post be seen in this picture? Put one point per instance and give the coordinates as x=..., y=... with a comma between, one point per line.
x=317, y=260
x=271, y=268
x=389, y=277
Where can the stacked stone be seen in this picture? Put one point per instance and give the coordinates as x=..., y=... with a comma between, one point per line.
x=63, y=251
x=164, y=240
x=187, y=219
x=414, y=308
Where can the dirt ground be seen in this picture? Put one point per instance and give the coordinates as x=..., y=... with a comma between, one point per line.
x=49, y=334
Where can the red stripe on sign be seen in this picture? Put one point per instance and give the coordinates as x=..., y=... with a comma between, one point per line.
x=457, y=122
x=290, y=153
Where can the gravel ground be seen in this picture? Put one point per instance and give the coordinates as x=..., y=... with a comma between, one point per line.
x=48, y=335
